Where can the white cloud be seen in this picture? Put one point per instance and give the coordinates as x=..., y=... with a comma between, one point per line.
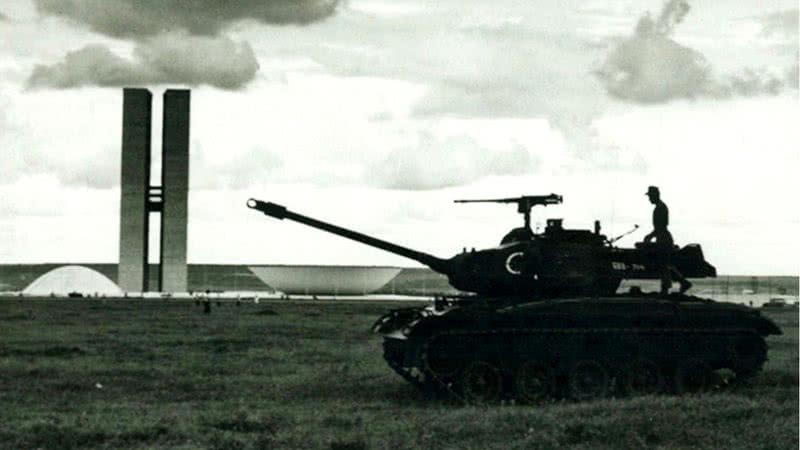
x=434, y=163
x=176, y=42
x=71, y=136
x=490, y=60
x=167, y=58
x=651, y=67
x=459, y=152
x=727, y=171
x=782, y=23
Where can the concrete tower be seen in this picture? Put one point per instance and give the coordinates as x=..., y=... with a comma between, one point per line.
x=134, y=224
x=139, y=198
x=175, y=182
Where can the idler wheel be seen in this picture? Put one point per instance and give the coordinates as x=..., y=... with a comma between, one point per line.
x=693, y=376
x=587, y=380
x=481, y=382
x=642, y=377
x=534, y=382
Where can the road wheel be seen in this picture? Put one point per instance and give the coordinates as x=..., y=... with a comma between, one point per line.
x=481, y=382
x=693, y=376
x=534, y=382
x=642, y=377
x=439, y=361
x=588, y=380
x=749, y=353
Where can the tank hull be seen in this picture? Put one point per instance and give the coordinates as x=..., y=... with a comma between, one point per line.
x=580, y=348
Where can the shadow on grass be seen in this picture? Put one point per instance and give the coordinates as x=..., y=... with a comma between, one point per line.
x=54, y=352
x=49, y=436
x=348, y=445
x=358, y=390
x=16, y=317
x=243, y=422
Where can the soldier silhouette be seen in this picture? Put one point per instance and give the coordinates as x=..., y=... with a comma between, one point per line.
x=664, y=242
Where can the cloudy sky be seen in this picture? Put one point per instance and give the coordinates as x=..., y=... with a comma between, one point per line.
x=376, y=114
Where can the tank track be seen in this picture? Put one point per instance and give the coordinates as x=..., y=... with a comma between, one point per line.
x=576, y=363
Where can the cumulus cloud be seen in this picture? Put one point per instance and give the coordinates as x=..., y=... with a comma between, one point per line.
x=490, y=60
x=168, y=58
x=142, y=18
x=782, y=23
x=177, y=41
x=437, y=162
x=651, y=67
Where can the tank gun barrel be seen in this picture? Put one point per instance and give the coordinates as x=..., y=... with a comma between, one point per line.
x=280, y=212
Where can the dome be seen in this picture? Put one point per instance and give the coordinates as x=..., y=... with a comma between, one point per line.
x=336, y=280
x=63, y=280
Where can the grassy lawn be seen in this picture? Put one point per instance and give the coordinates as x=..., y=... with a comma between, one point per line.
x=83, y=373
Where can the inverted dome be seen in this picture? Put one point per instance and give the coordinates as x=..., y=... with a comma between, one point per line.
x=63, y=280
x=336, y=280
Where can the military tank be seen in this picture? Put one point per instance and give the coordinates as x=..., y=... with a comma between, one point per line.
x=541, y=318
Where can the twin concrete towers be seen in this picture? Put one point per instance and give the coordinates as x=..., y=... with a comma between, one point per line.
x=139, y=198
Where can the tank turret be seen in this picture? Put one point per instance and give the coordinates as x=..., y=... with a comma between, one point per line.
x=556, y=263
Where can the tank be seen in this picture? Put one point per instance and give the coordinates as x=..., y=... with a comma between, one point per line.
x=541, y=318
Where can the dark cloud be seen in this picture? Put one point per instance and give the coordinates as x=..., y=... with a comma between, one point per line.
x=651, y=67
x=435, y=163
x=168, y=58
x=178, y=41
x=142, y=18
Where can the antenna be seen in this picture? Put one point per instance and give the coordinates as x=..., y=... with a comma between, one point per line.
x=635, y=227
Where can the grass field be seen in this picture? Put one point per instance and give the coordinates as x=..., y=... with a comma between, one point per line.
x=83, y=373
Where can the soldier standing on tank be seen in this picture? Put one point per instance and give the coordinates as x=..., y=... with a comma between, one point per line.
x=664, y=242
